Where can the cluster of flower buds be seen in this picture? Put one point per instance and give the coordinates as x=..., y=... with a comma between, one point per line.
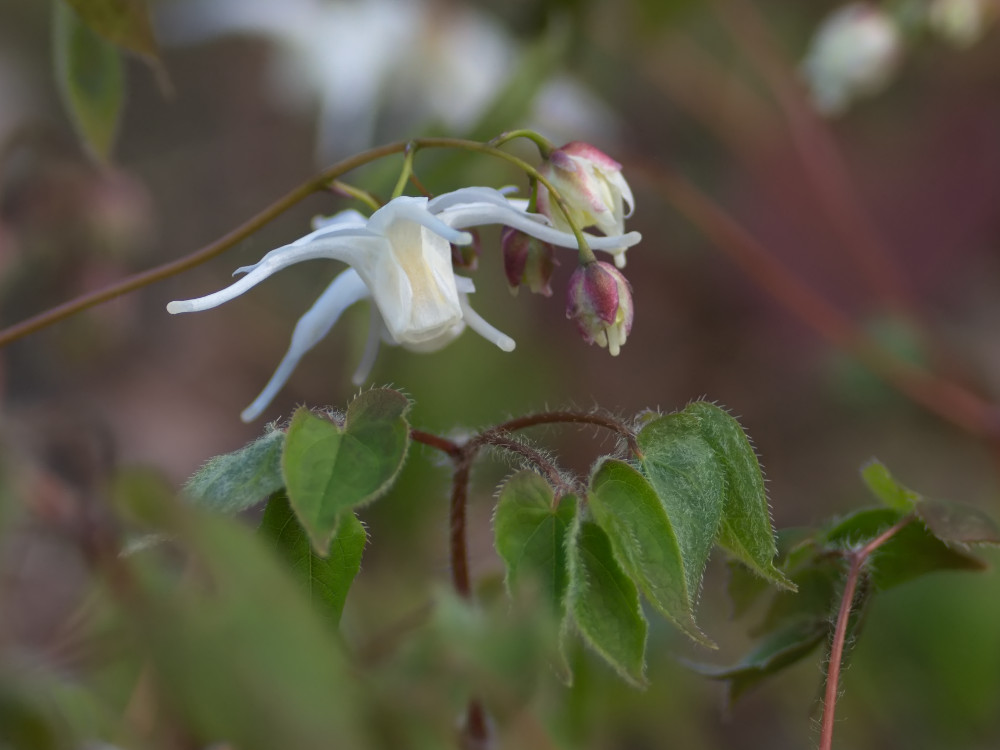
x=404, y=258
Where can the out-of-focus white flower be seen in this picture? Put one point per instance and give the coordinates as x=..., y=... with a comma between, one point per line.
x=593, y=187
x=854, y=53
x=380, y=69
x=961, y=22
x=400, y=258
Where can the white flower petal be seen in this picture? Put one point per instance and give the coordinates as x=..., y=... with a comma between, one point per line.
x=345, y=290
x=475, y=321
x=344, y=249
x=410, y=208
x=480, y=214
x=375, y=333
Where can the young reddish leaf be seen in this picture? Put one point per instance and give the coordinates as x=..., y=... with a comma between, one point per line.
x=912, y=552
x=531, y=534
x=238, y=480
x=329, y=470
x=746, y=529
x=885, y=487
x=629, y=511
x=604, y=603
x=954, y=523
x=326, y=580
x=91, y=80
x=683, y=470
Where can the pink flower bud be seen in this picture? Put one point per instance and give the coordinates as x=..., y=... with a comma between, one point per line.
x=592, y=185
x=600, y=301
x=527, y=260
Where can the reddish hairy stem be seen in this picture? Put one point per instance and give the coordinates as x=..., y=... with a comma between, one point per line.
x=858, y=560
x=570, y=417
x=453, y=449
x=457, y=538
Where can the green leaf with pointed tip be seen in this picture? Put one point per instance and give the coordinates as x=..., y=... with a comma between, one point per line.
x=326, y=580
x=329, y=470
x=778, y=651
x=746, y=529
x=604, y=603
x=885, y=487
x=530, y=536
x=91, y=80
x=237, y=480
x=683, y=470
x=955, y=523
x=629, y=511
x=122, y=22
x=912, y=552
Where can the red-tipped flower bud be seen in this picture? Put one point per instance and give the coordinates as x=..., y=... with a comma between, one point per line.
x=527, y=260
x=600, y=301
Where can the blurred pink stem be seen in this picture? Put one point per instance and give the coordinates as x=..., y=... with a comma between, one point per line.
x=817, y=151
x=938, y=395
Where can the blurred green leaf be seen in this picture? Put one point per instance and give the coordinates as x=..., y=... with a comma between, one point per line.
x=629, y=511
x=237, y=650
x=122, y=22
x=495, y=653
x=746, y=529
x=820, y=581
x=237, y=480
x=885, y=487
x=91, y=80
x=604, y=604
x=745, y=587
x=683, y=470
x=530, y=535
x=779, y=650
x=26, y=718
x=326, y=580
x=329, y=470
x=954, y=523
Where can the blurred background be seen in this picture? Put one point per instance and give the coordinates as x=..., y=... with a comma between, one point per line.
x=875, y=181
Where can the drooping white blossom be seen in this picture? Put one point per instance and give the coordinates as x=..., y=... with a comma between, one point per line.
x=400, y=258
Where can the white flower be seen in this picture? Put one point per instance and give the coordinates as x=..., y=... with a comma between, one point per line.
x=400, y=258
x=383, y=69
x=854, y=53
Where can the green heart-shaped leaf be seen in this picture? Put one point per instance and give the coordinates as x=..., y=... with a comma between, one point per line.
x=326, y=579
x=329, y=470
x=531, y=535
